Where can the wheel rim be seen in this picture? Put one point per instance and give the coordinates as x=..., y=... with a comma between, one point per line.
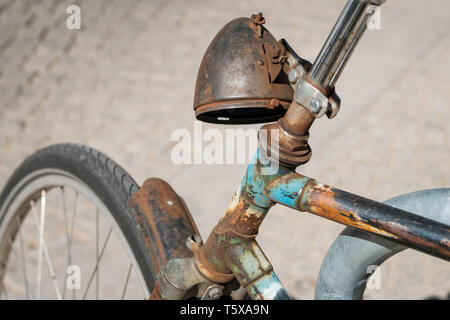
x=28, y=208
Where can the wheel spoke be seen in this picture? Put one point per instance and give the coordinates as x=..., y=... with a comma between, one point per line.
x=74, y=213
x=126, y=282
x=94, y=272
x=43, y=243
x=22, y=259
x=66, y=229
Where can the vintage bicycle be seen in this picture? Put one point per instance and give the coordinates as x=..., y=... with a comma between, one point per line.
x=246, y=76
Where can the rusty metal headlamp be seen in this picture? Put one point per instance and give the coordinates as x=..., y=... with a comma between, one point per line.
x=242, y=79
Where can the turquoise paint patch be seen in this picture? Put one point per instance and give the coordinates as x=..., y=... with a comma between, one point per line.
x=287, y=193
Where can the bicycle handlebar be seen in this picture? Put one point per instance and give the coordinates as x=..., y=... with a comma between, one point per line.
x=341, y=42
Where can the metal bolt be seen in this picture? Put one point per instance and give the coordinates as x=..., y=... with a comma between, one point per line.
x=315, y=106
x=294, y=75
x=259, y=20
x=215, y=293
x=273, y=103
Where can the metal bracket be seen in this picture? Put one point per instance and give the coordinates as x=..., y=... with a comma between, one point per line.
x=312, y=98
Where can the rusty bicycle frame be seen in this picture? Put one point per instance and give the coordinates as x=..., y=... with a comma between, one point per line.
x=231, y=251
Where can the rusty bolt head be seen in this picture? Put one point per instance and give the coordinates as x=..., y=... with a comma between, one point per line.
x=258, y=18
x=273, y=103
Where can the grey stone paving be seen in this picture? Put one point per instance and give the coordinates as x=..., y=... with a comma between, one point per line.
x=125, y=81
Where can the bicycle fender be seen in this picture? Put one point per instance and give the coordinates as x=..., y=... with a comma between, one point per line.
x=165, y=221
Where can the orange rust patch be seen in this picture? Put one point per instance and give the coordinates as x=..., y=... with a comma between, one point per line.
x=321, y=201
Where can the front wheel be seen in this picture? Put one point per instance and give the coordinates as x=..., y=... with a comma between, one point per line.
x=67, y=231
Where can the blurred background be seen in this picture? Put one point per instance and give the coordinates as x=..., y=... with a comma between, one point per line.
x=125, y=81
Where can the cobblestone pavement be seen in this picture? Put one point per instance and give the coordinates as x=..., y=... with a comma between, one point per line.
x=125, y=81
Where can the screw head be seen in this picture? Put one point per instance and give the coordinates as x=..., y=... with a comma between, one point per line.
x=293, y=75
x=258, y=18
x=314, y=106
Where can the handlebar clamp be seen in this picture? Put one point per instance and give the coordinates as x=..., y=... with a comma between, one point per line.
x=312, y=98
